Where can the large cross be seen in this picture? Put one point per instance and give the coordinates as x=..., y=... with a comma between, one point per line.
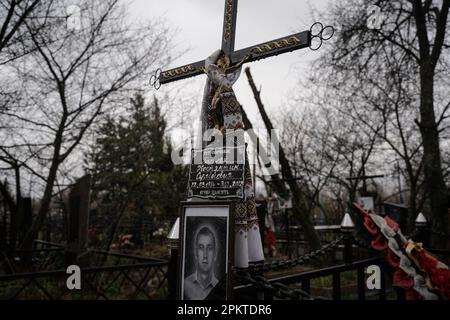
x=290, y=43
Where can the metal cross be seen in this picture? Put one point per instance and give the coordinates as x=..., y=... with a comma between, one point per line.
x=295, y=41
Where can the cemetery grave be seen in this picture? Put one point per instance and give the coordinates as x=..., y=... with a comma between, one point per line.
x=106, y=192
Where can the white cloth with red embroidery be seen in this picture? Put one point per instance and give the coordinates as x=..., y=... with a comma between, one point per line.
x=222, y=111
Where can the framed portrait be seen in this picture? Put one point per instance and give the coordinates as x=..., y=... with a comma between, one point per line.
x=206, y=247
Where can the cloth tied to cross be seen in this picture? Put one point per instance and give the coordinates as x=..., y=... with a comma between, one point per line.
x=222, y=111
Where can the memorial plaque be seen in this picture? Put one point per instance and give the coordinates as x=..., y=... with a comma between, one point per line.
x=217, y=173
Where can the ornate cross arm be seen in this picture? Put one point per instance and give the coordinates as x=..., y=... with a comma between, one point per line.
x=275, y=47
x=296, y=41
x=257, y=52
x=229, y=26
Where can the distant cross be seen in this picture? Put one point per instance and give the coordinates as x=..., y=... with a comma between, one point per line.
x=311, y=38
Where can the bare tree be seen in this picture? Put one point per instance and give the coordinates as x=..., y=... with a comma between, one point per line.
x=306, y=141
x=326, y=148
x=298, y=195
x=392, y=69
x=13, y=15
x=76, y=74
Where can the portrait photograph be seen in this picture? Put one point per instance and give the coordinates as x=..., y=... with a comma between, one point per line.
x=204, y=258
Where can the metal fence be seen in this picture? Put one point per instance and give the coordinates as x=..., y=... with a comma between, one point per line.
x=107, y=276
x=303, y=285
x=298, y=286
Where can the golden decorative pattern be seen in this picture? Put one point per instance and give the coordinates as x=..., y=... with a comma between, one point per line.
x=178, y=71
x=274, y=45
x=228, y=21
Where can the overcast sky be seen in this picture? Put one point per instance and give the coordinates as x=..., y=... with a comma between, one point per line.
x=199, y=26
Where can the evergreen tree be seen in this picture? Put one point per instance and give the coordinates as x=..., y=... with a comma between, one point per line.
x=133, y=174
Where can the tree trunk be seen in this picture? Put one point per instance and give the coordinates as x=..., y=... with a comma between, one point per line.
x=45, y=205
x=412, y=210
x=299, y=204
x=46, y=199
x=434, y=180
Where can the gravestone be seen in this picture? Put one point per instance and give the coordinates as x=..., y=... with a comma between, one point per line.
x=79, y=199
x=397, y=212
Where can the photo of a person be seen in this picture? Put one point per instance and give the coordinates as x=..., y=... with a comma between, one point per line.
x=204, y=267
x=199, y=284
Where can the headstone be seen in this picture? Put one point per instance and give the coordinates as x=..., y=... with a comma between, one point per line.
x=397, y=212
x=79, y=199
x=367, y=203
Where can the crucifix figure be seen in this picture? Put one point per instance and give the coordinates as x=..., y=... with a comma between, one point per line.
x=221, y=110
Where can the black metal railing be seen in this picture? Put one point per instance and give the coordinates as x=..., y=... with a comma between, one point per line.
x=107, y=275
x=114, y=275
x=303, y=280
x=254, y=284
